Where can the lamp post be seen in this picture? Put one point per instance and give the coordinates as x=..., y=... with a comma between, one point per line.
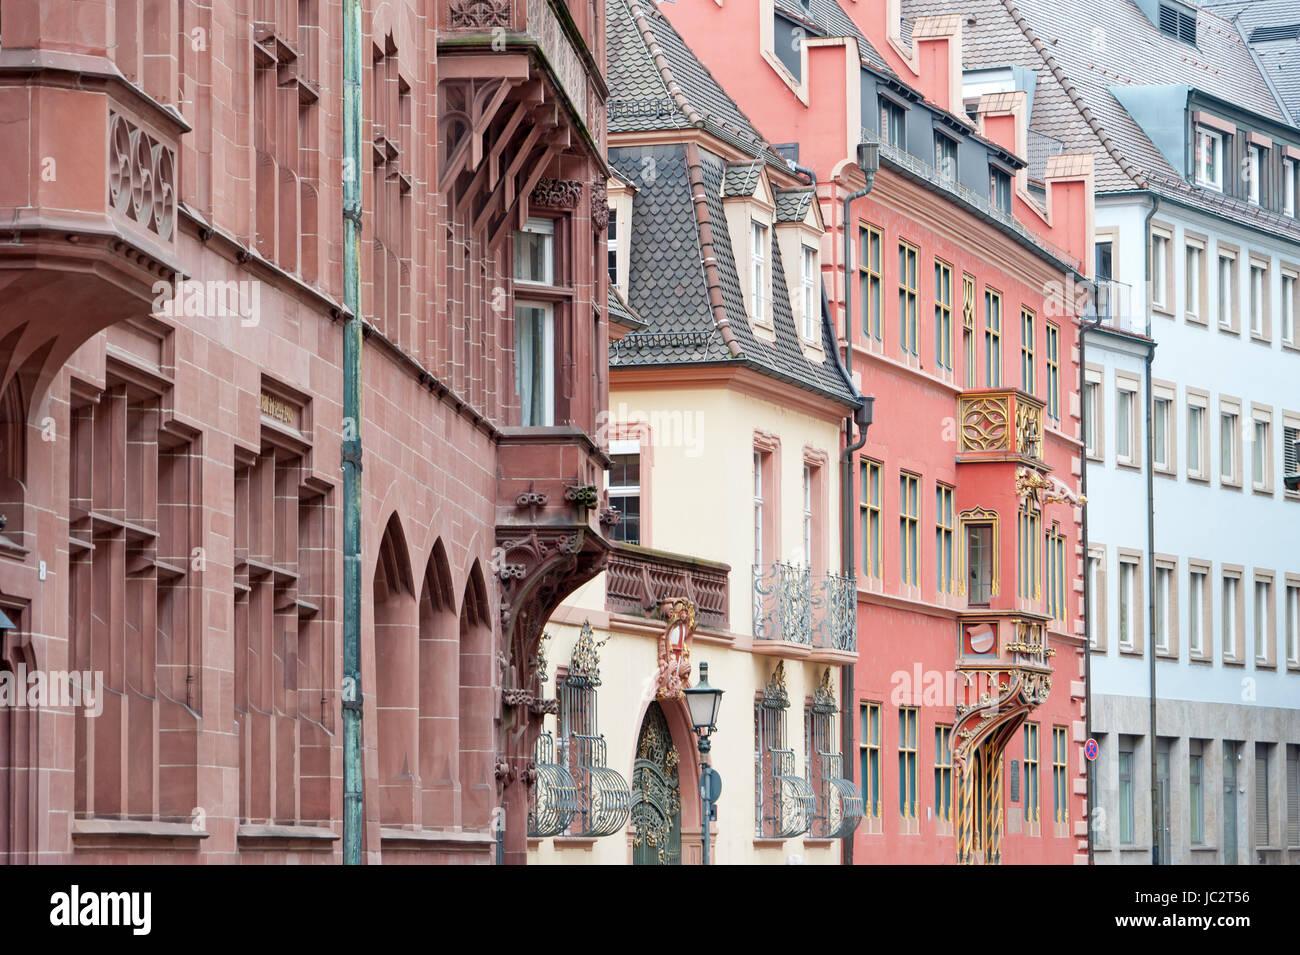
x=703, y=701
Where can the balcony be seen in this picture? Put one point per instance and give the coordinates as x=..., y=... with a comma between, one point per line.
x=999, y=425
x=801, y=615
x=638, y=580
x=89, y=206
x=1112, y=306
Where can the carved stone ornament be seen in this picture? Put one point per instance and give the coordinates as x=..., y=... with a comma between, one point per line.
x=556, y=194
x=480, y=14
x=599, y=206
x=673, y=675
x=141, y=177
x=824, y=696
x=584, y=662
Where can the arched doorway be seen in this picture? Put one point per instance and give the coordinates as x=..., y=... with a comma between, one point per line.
x=656, y=820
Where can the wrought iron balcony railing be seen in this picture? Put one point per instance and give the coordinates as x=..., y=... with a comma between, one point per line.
x=1000, y=422
x=638, y=580
x=787, y=803
x=604, y=797
x=1112, y=305
x=792, y=605
x=839, y=802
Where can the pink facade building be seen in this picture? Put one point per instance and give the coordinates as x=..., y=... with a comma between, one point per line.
x=969, y=257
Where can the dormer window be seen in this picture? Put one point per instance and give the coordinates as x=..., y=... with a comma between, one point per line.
x=1178, y=22
x=809, y=289
x=1000, y=189
x=1289, y=187
x=758, y=270
x=893, y=119
x=611, y=244
x=1254, y=165
x=945, y=155
x=1209, y=158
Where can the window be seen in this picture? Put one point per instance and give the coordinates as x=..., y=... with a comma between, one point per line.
x=1125, y=792
x=1197, y=610
x=1231, y=598
x=1292, y=616
x=758, y=283
x=1056, y=574
x=1193, y=277
x=1287, y=308
x=1092, y=414
x=535, y=363
x=611, y=245
x=1160, y=272
x=992, y=339
x=869, y=279
x=1254, y=163
x=1027, y=524
x=1229, y=448
x=1290, y=454
x=1096, y=597
x=812, y=516
x=1196, y=790
x=1162, y=428
x=943, y=773
x=1261, y=450
x=907, y=762
x=909, y=514
x=535, y=252
x=1000, y=189
x=775, y=816
x=764, y=523
x=1060, y=777
x=1263, y=620
x=892, y=123
x=907, y=299
x=1288, y=187
x=1128, y=428
x=1258, y=301
x=625, y=490
x=1227, y=288
x=1198, y=437
x=944, y=577
x=968, y=326
x=869, y=759
x=1053, y=372
x=979, y=562
x=1165, y=602
x=1031, y=772
x=1209, y=158
x=945, y=155
x=869, y=472
x=534, y=264
x=1128, y=603
x=943, y=315
x=1027, y=351
x=810, y=303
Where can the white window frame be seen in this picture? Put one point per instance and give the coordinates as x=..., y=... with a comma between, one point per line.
x=621, y=447
x=1287, y=306
x=1213, y=138
x=1230, y=617
x=1226, y=290
x=1230, y=409
x=1261, y=452
x=759, y=273
x=1291, y=617
x=808, y=286
x=1263, y=631
x=1199, y=620
x=1254, y=165
x=1160, y=244
x=1193, y=279
x=545, y=227
x=547, y=344
x=1133, y=457
x=1164, y=452
x=1288, y=186
x=1198, y=401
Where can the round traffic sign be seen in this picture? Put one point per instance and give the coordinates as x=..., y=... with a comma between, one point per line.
x=1090, y=748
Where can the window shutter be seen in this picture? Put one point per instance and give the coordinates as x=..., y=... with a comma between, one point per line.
x=1289, y=436
x=1293, y=797
x=1261, y=799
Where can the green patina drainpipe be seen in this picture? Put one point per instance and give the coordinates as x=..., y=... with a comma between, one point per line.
x=352, y=778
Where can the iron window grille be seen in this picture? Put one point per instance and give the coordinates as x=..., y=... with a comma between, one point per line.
x=784, y=803
x=839, y=802
x=793, y=605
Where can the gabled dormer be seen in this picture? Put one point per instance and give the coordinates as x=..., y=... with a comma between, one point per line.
x=750, y=205
x=799, y=231
x=619, y=193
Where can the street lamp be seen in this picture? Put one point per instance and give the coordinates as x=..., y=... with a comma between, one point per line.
x=703, y=702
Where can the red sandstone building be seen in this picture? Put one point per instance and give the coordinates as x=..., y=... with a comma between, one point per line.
x=965, y=256
x=172, y=489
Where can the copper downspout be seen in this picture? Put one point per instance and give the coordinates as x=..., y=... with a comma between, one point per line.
x=699, y=197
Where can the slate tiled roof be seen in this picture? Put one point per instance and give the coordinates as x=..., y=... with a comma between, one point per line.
x=667, y=287
x=1094, y=45
x=741, y=178
x=792, y=204
x=621, y=313
x=639, y=97
x=1279, y=60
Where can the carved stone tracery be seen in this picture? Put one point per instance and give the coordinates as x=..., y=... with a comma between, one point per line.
x=479, y=14
x=557, y=194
